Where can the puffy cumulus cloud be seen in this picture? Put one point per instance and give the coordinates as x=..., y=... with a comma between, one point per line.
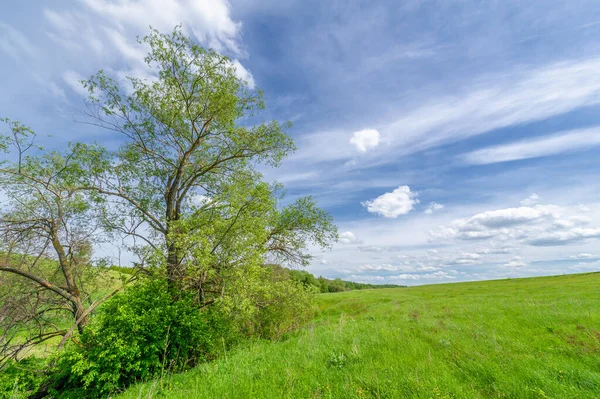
x=533, y=199
x=512, y=216
x=347, y=237
x=366, y=139
x=391, y=205
x=432, y=207
x=538, y=226
x=498, y=222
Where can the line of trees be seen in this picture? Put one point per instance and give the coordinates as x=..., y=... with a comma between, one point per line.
x=182, y=189
x=325, y=285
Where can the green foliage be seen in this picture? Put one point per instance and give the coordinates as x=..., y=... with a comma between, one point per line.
x=267, y=304
x=144, y=333
x=186, y=136
x=184, y=186
x=19, y=379
x=475, y=340
x=136, y=336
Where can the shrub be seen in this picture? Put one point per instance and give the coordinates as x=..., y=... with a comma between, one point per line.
x=144, y=332
x=263, y=303
x=134, y=337
x=19, y=379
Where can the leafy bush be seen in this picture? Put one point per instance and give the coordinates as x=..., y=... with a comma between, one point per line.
x=291, y=306
x=135, y=337
x=19, y=379
x=263, y=303
x=145, y=332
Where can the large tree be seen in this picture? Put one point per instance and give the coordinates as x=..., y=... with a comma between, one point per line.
x=192, y=138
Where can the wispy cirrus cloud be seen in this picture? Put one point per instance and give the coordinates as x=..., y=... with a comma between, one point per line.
x=569, y=141
x=15, y=44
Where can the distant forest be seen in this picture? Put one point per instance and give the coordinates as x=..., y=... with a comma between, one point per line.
x=324, y=285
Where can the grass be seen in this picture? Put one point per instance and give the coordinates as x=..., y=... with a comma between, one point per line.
x=519, y=338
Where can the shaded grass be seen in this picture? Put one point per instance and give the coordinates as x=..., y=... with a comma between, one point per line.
x=522, y=338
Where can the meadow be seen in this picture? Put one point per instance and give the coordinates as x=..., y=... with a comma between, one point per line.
x=515, y=338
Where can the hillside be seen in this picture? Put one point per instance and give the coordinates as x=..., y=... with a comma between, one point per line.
x=525, y=338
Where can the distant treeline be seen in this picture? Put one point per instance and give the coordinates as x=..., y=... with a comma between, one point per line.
x=323, y=284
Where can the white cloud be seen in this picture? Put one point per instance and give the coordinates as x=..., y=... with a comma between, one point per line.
x=572, y=222
x=513, y=216
x=13, y=43
x=347, y=237
x=537, y=226
x=499, y=101
x=517, y=261
x=493, y=223
x=439, y=275
x=364, y=140
x=377, y=268
x=65, y=22
x=107, y=30
x=75, y=31
x=539, y=147
x=520, y=96
x=574, y=235
x=391, y=205
x=209, y=21
x=584, y=255
x=586, y=267
x=465, y=258
x=243, y=74
x=55, y=90
x=432, y=207
x=73, y=79
x=533, y=199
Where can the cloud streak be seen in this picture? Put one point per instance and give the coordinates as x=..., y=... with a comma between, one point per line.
x=572, y=140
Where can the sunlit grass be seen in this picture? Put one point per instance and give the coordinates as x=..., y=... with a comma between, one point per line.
x=525, y=338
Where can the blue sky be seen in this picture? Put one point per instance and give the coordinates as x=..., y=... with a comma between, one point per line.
x=452, y=139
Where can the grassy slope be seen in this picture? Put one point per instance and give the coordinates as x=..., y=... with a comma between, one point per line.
x=106, y=282
x=526, y=338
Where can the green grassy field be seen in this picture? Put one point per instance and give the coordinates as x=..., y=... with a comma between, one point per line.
x=520, y=338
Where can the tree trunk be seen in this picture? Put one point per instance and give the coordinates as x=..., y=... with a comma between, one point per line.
x=175, y=269
x=81, y=318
